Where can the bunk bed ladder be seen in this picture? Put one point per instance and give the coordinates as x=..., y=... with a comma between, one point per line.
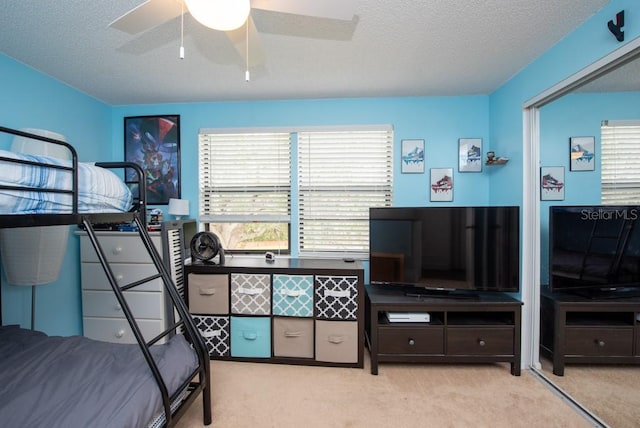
x=183, y=324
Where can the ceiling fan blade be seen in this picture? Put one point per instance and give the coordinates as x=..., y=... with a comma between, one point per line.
x=238, y=39
x=333, y=9
x=149, y=14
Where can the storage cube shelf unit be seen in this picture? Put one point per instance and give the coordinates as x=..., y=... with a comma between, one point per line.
x=291, y=311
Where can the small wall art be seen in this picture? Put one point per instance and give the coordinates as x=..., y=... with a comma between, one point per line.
x=552, y=183
x=582, y=153
x=470, y=155
x=153, y=142
x=412, y=156
x=441, y=185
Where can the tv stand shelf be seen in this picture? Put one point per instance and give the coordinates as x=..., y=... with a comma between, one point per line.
x=481, y=330
x=577, y=329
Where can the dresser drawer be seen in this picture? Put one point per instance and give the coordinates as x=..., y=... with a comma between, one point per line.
x=411, y=340
x=94, y=278
x=125, y=248
x=118, y=330
x=480, y=341
x=599, y=341
x=208, y=294
x=104, y=304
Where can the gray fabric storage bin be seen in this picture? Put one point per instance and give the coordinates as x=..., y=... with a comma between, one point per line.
x=208, y=294
x=337, y=341
x=293, y=337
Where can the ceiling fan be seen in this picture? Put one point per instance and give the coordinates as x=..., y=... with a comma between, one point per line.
x=153, y=13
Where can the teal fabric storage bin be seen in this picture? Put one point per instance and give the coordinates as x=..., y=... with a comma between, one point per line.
x=293, y=295
x=251, y=337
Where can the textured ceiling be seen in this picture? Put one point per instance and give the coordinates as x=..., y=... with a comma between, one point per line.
x=390, y=48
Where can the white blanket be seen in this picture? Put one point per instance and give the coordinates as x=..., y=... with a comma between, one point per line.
x=99, y=189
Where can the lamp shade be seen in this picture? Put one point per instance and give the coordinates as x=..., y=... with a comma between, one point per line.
x=222, y=15
x=33, y=255
x=178, y=207
x=36, y=147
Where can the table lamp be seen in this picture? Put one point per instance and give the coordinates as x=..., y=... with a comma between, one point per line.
x=178, y=208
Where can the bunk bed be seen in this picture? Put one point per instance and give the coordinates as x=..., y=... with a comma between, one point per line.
x=76, y=381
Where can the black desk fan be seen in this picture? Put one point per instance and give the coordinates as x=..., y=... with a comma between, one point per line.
x=205, y=246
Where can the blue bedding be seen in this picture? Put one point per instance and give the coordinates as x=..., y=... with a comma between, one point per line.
x=99, y=189
x=52, y=381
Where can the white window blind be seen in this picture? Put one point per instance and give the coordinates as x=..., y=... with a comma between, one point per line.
x=620, y=141
x=245, y=176
x=340, y=176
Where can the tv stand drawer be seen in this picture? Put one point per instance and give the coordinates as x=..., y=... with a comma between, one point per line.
x=599, y=341
x=480, y=341
x=411, y=340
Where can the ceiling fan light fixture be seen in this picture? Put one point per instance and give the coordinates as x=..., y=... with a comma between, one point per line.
x=222, y=15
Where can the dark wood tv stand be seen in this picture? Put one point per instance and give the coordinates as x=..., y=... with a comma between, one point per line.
x=577, y=329
x=482, y=329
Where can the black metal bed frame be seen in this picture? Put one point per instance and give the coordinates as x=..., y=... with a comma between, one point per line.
x=199, y=380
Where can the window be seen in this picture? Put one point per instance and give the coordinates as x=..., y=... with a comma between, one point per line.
x=245, y=189
x=340, y=175
x=246, y=192
x=620, y=141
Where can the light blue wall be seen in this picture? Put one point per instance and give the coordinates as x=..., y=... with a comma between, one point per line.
x=584, y=46
x=571, y=116
x=97, y=131
x=32, y=100
x=440, y=121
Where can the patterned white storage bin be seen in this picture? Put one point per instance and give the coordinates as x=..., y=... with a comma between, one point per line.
x=250, y=294
x=215, y=332
x=293, y=295
x=336, y=297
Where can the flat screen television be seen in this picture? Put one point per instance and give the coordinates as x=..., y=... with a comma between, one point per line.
x=594, y=250
x=445, y=249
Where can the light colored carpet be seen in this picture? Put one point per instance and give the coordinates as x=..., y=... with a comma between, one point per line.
x=611, y=392
x=401, y=396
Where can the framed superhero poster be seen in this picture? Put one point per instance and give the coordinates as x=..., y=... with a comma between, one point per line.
x=153, y=142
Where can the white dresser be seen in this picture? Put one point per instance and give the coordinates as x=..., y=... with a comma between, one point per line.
x=102, y=315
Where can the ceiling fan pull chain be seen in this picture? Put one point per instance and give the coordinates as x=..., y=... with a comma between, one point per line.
x=247, y=76
x=182, y=32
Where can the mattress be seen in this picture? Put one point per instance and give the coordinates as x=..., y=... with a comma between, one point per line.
x=53, y=381
x=99, y=189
